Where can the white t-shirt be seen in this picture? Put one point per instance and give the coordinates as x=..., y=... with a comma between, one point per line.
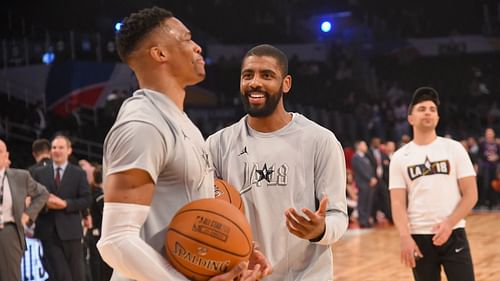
x=152, y=134
x=292, y=167
x=430, y=174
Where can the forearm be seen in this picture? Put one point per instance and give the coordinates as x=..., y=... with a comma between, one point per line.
x=400, y=217
x=123, y=249
x=468, y=189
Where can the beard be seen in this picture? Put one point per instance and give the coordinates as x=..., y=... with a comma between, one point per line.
x=261, y=110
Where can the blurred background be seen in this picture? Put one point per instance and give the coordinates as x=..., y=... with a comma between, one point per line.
x=354, y=64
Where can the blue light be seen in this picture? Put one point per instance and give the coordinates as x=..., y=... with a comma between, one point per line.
x=48, y=57
x=118, y=26
x=326, y=26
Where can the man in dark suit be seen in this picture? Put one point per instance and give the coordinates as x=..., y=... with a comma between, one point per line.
x=60, y=228
x=15, y=185
x=380, y=163
x=41, y=153
x=366, y=180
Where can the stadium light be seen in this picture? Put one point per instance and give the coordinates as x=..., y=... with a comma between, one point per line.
x=118, y=26
x=326, y=26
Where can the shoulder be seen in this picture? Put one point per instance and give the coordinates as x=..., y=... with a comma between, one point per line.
x=227, y=133
x=453, y=144
x=310, y=127
x=18, y=172
x=402, y=152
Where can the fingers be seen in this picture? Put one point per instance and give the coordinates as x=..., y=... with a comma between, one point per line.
x=232, y=274
x=322, y=206
x=251, y=275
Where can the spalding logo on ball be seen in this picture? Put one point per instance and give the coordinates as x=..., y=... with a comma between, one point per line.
x=207, y=237
x=227, y=192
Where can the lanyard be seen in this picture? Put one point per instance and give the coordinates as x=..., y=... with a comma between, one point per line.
x=1, y=186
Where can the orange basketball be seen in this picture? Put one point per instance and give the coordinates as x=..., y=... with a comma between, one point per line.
x=227, y=192
x=207, y=237
x=495, y=184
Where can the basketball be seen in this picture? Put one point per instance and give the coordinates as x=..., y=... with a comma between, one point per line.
x=207, y=237
x=227, y=192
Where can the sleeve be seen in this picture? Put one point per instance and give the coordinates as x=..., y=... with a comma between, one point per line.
x=330, y=180
x=463, y=162
x=39, y=196
x=84, y=198
x=213, y=143
x=135, y=145
x=396, y=176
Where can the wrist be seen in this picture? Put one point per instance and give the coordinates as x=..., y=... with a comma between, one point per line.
x=320, y=236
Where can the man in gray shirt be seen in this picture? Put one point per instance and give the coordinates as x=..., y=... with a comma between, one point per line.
x=155, y=159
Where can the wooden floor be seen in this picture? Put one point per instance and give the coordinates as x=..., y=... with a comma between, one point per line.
x=373, y=255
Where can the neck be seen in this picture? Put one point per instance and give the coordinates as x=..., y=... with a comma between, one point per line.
x=277, y=120
x=424, y=137
x=164, y=85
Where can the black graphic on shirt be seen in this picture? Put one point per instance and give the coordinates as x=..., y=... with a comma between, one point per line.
x=429, y=168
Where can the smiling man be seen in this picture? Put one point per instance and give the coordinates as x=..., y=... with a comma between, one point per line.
x=433, y=187
x=290, y=170
x=59, y=227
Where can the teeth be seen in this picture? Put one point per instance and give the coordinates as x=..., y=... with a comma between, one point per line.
x=256, y=95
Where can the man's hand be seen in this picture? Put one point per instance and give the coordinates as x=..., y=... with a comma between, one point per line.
x=312, y=227
x=56, y=202
x=442, y=232
x=87, y=222
x=409, y=251
x=239, y=273
x=25, y=219
x=258, y=258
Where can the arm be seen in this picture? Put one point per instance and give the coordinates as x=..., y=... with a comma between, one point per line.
x=330, y=221
x=409, y=249
x=468, y=188
x=84, y=197
x=39, y=196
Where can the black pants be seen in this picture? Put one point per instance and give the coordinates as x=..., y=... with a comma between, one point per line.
x=454, y=256
x=64, y=259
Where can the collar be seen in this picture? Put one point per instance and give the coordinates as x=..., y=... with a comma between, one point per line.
x=63, y=166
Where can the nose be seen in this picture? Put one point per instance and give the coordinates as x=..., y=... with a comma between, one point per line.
x=255, y=82
x=197, y=48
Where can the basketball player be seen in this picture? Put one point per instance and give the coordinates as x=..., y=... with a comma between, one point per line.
x=433, y=187
x=291, y=172
x=155, y=160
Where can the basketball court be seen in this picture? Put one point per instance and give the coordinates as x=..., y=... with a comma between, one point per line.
x=373, y=254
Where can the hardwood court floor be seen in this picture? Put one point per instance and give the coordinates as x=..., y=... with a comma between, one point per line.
x=373, y=255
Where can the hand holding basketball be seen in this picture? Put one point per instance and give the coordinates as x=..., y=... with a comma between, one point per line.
x=208, y=237
x=308, y=228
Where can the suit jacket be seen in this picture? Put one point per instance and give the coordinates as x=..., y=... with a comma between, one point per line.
x=385, y=165
x=362, y=170
x=22, y=185
x=41, y=163
x=74, y=188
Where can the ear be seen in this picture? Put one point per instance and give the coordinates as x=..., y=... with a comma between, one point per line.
x=287, y=84
x=410, y=119
x=158, y=54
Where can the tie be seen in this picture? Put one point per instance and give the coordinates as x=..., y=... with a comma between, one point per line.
x=57, y=180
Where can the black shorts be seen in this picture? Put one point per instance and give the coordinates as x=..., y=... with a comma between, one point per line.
x=454, y=256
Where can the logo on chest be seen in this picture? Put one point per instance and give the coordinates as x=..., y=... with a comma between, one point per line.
x=429, y=168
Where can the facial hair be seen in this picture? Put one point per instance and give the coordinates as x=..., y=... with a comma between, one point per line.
x=265, y=110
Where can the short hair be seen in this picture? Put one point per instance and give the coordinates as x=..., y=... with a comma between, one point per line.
x=270, y=51
x=40, y=146
x=66, y=138
x=136, y=27
x=97, y=174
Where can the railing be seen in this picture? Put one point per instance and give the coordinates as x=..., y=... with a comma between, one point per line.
x=15, y=131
